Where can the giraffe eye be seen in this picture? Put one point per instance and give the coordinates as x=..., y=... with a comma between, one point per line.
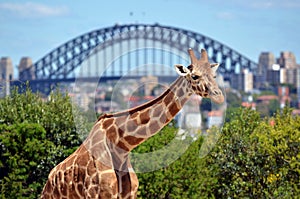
x=195, y=77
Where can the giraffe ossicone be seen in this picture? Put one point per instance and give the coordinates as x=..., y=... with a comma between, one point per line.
x=100, y=167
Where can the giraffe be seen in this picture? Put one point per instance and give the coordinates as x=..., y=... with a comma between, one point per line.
x=100, y=167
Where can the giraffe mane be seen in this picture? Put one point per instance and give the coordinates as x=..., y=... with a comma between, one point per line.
x=137, y=108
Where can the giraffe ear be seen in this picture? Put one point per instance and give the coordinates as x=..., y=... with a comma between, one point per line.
x=182, y=70
x=214, y=67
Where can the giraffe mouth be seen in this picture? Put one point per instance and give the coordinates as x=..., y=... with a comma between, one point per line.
x=217, y=97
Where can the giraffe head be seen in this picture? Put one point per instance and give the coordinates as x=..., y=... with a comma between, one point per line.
x=201, y=75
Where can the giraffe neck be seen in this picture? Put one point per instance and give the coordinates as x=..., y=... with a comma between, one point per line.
x=115, y=135
x=140, y=123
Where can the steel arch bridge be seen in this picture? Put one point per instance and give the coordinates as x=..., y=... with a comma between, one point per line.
x=61, y=64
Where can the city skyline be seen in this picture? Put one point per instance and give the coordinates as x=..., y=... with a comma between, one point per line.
x=33, y=28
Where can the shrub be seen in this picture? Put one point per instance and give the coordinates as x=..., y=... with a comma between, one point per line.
x=255, y=158
x=25, y=152
x=36, y=135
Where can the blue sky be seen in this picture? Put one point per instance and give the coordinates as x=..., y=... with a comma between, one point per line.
x=34, y=28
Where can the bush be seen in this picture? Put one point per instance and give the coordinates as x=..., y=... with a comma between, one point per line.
x=37, y=133
x=277, y=144
x=178, y=179
x=255, y=158
x=25, y=152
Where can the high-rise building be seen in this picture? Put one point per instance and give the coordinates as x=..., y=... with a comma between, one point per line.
x=248, y=80
x=265, y=62
x=287, y=60
x=243, y=81
x=298, y=84
x=276, y=71
x=274, y=75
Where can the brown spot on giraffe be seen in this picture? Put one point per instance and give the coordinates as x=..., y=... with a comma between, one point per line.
x=173, y=108
x=132, y=140
x=107, y=123
x=112, y=133
x=169, y=98
x=145, y=117
x=123, y=145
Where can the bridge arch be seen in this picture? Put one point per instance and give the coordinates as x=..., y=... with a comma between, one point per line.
x=61, y=62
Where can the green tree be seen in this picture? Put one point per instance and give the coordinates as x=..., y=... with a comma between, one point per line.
x=277, y=145
x=230, y=165
x=25, y=152
x=255, y=158
x=55, y=122
x=178, y=179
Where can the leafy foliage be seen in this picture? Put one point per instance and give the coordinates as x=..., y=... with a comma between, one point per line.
x=277, y=144
x=25, y=152
x=35, y=135
x=256, y=159
x=253, y=157
x=180, y=179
